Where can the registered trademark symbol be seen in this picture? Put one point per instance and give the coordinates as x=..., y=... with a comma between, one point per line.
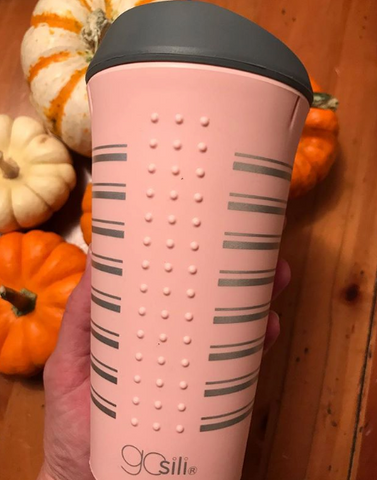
x=192, y=470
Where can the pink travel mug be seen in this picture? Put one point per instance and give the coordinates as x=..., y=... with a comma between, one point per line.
x=196, y=113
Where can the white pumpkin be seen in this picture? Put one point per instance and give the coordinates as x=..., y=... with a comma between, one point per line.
x=55, y=54
x=36, y=174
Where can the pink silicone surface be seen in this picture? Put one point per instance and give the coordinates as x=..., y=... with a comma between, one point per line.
x=191, y=171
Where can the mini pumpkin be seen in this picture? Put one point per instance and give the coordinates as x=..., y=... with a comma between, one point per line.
x=86, y=218
x=55, y=54
x=36, y=174
x=318, y=144
x=38, y=271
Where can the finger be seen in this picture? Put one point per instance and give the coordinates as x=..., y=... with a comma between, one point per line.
x=282, y=278
x=74, y=336
x=273, y=330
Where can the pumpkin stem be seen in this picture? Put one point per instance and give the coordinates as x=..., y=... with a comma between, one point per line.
x=8, y=168
x=94, y=30
x=23, y=302
x=325, y=101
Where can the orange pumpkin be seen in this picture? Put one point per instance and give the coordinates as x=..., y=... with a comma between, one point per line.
x=318, y=145
x=86, y=218
x=38, y=272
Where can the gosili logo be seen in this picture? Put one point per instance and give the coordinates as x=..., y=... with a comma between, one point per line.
x=154, y=463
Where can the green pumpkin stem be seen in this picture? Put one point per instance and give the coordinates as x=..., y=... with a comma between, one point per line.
x=325, y=101
x=23, y=302
x=8, y=168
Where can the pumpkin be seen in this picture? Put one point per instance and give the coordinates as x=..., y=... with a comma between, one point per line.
x=318, y=144
x=55, y=55
x=86, y=218
x=36, y=174
x=38, y=271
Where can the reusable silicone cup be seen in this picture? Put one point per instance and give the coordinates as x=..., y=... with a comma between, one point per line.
x=196, y=113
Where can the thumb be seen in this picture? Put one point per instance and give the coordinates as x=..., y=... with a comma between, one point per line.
x=74, y=336
x=69, y=365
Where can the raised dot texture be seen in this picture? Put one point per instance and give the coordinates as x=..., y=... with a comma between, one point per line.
x=163, y=337
x=159, y=382
x=187, y=340
x=157, y=405
x=189, y=316
x=153, y=143
x=185, y=363
x=152, y=168
x=177, y=144
x=198, y=197
x=175, y=170
x=172, y=219
x=196, y=222
x=137, y=379
x=156, y=427
x=181, y=407
x=145, y=264
x=193, y=269
x=204, y=121
x=148, y=217
x=139, y=357
x=183, y=385
x=180, y=429
x=174, y=195
x=166, y=291
x=134, y=422
x=140, y=334
x=143, y=288
x=165, y=314
x=200, y=172
x=170, y=243
x=202, y=147
x=179, y=118
x=154, y=117
x=190, y=293
x=194, y=246
x=150, y=192
x=161, y=361
x=147, y=241
x=168, y=267
x=136, y=400
x=142, y=311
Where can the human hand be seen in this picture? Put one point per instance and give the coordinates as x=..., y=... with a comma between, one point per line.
x=67, y=384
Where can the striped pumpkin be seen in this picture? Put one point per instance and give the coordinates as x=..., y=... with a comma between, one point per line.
x=55, y=54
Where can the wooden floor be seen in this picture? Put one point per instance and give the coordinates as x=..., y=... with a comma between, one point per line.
x=316, y=414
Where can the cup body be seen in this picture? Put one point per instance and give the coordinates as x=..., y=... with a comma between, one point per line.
x=191, y=174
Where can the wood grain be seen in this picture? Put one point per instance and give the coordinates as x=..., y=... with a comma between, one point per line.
x=315, y=417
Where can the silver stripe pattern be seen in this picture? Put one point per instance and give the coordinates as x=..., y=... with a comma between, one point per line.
x=264, y=159
x=104, y=303
x=250, y=317
x=261, y=169
x=98, y=400
x=249, y=207
x=109, y=195
x=115, y=145
x=110, y=157
x=227, y=423
x=107, y=268
x=234, y=245
x=107, y=372
x=104, y=335
x=215, y=357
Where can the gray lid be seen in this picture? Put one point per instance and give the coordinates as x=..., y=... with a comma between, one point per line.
x=197, y=32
